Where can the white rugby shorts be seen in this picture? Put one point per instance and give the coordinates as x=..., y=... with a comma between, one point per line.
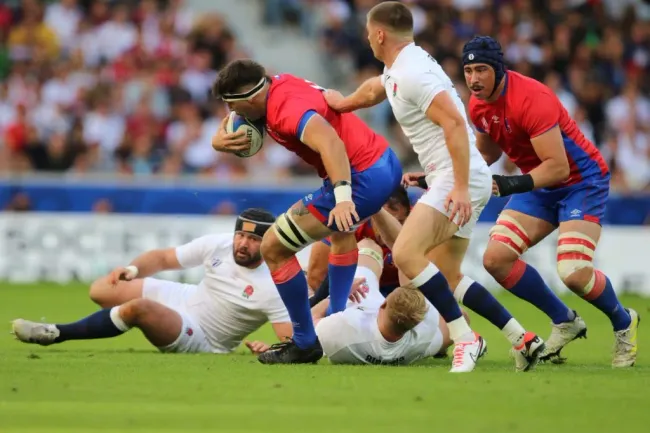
x=174, y=296
x=442, y=182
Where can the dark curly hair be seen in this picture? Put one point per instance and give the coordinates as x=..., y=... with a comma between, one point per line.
x=237, y=74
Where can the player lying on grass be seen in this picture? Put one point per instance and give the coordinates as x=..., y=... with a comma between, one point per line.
x=359, y=173
x=565, y=186
x=235, y=297
x=384, y=228
x=397, y=330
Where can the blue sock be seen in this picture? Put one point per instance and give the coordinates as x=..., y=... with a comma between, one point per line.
x=607, y=302
x=293, y=289
x=435, y=288
x=341, y=275
x=97, y=325
x=525, y=283
x=477, y=298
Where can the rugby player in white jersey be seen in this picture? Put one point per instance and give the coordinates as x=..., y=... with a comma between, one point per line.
x=396, y=330
x=235, y=297
x=432, y=116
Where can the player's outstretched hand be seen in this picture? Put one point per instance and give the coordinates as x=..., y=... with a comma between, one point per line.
x=414, y=179
x=121, y=274
x=344, y=215
x=257, y=347
x=231, y=143
x=333, y=98
x=359, y=290
x=460, y=205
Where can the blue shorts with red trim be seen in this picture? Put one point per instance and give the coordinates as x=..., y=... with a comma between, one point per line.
x=586, y=201
x=371, y=189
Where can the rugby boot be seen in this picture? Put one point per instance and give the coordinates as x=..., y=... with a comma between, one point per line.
x=289, y=353
x=527, y=354
x=561, y=335
x=33, y=332
x=625, y=343
x=467, y=353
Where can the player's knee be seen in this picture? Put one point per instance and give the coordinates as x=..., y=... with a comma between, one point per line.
x=401, y=254
x=496, y=264
x=97, y=293
x=135, y=310
x=575, y=253
x=284, y=240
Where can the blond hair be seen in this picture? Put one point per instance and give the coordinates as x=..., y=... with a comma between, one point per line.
x=405, y=308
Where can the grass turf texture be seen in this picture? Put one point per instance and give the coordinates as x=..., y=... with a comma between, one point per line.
x=124, y=385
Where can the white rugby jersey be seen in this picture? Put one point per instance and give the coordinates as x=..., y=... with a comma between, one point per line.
x=352, y=337
x=411, y=83
x=231, y=301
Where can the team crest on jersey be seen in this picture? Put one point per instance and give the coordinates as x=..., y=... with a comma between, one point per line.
x=248, y=292
x=189, y=332
x=394, y=89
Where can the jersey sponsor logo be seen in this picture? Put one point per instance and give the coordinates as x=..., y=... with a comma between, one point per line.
x=216, y=261
x=248, y=292
x=378, y=361
x=575, y=213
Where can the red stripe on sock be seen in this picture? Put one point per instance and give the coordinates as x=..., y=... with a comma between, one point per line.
x=345, y=259
x=576, y=241
x=315, y=212
x=512, y=226
x=515, y=275
x=287, y=271
x=506, y=240
x=599, y=286
x=573, y=256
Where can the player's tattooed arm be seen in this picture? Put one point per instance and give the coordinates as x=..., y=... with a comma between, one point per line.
x=369, y=94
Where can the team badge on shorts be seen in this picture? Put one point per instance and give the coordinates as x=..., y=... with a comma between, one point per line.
x=248, y=292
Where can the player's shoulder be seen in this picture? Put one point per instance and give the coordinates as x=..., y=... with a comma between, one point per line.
x=525, y=88
x=217, y=241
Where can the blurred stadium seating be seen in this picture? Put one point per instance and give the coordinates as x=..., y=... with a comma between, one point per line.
x=105, y=107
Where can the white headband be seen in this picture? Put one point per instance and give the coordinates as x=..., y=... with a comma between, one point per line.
x=230, y=97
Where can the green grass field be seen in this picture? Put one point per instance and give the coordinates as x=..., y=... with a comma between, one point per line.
x=124, y=385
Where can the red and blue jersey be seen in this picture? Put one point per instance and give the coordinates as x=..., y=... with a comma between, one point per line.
x=527, y=109
x=290, y=104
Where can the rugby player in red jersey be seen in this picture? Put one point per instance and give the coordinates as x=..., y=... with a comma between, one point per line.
x=359, y=173
x=564, y=185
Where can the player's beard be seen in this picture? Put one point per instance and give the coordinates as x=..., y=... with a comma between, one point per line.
x=244, y=258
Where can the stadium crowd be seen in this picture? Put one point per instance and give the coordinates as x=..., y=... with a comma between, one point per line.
x=106, y=86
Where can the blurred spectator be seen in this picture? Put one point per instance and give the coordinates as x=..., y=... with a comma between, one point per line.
x=123, y=86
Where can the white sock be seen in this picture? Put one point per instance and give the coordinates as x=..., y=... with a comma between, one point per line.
x=514, y=332
x=459, y=330
x=424, y=276
x=461, y=288
x=117, y=319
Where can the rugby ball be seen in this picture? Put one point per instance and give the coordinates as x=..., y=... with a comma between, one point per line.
x=254, y=132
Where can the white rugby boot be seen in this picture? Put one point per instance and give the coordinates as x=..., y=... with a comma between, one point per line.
x=467, y=353
x=527, y=354
x=625, y=343
x=561, y=335
x=33, y=332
